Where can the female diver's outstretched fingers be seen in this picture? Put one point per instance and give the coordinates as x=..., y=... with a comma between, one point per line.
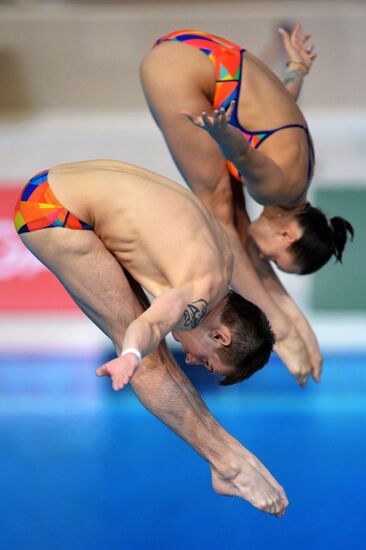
x=216, y=116
x=313, y=53
x=285, y=38
x=206, y=119
x=295, y=33
x=222, y=117
x=317, y=366
x=230, y=110
x=304, y=39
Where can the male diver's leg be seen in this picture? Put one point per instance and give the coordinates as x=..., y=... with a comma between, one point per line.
x=99, y=286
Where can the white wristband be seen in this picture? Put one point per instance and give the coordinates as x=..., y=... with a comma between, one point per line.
x=134, y=351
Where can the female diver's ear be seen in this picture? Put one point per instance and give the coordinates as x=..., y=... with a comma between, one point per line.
x=341, y=229
x=292, y=232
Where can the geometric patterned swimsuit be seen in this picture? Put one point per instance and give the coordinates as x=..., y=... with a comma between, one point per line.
x=38, y=208
x=227, y=59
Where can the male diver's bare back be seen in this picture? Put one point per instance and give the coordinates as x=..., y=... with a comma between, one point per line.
x=157, y=230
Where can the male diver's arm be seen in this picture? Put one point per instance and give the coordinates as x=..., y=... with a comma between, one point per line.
x=171, y=309
x=300, y=59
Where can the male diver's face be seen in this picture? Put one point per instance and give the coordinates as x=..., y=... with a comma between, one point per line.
x=201, y=348
x=273, y=237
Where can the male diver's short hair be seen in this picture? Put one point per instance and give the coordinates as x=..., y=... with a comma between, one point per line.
x=252, y=338
x=322, y=238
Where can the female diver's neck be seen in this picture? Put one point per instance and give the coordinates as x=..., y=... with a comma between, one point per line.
x=276, y=211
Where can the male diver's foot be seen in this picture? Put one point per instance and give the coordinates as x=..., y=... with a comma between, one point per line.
x=257, y=464
x=244, y=480
x=243, y=454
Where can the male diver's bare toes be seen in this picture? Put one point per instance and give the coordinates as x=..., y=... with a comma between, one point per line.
x=267, y=475
x=246, y=482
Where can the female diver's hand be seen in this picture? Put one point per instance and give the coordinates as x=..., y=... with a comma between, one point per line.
x=120, y=370
x=299, y=55
x=292, y=350
x=312, y=346
x=215, y=124
x=230, y=140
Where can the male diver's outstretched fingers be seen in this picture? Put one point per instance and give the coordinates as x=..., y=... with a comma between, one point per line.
x=102, y=371
x=119, y=382
x=120, y=370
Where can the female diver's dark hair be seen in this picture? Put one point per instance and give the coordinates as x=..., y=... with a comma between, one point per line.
x=322, y=238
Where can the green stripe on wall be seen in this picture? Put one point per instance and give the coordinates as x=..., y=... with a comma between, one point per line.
x=342, y=287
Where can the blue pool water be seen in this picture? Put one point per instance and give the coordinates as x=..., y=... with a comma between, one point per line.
x=84, y=468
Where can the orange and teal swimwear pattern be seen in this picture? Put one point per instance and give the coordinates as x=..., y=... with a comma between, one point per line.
x=227, y=60
x=38, y=208
x=225, y=56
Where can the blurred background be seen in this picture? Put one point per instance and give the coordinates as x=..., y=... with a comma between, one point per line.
x=82, y=467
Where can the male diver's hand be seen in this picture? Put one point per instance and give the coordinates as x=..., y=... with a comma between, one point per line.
x=120, y=370
x=292, y=350
x=300, y=56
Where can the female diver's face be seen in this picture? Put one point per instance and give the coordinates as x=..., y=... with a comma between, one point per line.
x=273, y=236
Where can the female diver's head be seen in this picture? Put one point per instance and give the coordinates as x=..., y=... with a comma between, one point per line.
x=300, y=239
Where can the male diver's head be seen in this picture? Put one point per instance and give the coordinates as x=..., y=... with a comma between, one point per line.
x=301, y=239
x=235, y=340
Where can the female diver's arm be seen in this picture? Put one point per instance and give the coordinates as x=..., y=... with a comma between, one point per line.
x=280, y=295
x=228, y=206
x=300, y=59
x=264, y=178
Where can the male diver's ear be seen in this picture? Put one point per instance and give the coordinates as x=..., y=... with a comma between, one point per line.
x=222, y=336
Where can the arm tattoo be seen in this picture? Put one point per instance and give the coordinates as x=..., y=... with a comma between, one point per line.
x=195, y=313
x=291, y=76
